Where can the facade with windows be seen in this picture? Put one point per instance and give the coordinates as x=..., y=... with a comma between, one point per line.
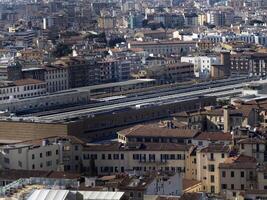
x=208, y=160
x=141, y=158
x=55, y=153
x=21, y=89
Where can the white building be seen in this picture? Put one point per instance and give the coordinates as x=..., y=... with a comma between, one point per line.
x=166, y=185
x=20, y=89
x=202, y=64
x=54, y=153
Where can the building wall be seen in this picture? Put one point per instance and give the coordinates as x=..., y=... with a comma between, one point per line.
x=134, y=160
x=233, y=182
x=7, y=94
x=56, y=79
x=205, y=174
x=61, y=156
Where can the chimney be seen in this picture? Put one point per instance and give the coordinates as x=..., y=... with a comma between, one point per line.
x=226, y=119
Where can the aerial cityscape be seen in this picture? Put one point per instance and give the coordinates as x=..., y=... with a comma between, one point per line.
x=133, y=99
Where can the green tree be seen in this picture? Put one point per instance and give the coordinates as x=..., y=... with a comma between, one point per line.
x=62, y=50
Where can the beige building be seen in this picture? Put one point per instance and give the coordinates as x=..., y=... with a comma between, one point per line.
x=237, y=174
x=207, y=164
x=163, y=132
x=116, y=157
x=54, y=153
x=165, y=47
x=253, y=147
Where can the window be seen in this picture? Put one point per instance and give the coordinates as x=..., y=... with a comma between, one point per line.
x=224, y=186
x=211, y=168
x=76, y=157
x=33, y=166
x=265, y=175
x=242, y=187
x=211, y=156
x=57, y=152
x=136, y=156
x=76, y=147
x=232, y=174
x=41, y=155
x=223, y=174
x=19, y=163
x=32, y=156
x=109, y=156
x=242, y=146
x=116, y=156
x=222, y=155
x=6, y=160
x=41, y=165
x=212, y=189
x=48, y=163
x=66, y=148
x=122, y=169
x=242, y=174
x=232, y=186
x=48, y=153
x=122, y=156
x=212, y=179
x=103, y=156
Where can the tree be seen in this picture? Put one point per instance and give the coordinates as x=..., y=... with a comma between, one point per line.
x=62, y=50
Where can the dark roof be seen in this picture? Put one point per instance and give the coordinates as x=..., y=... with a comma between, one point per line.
x=17, y=174
x=239, y=162
x=191, y=196
x=116, y=146
x=155, y=130
x=214, y=136
x=216, y=148
x=187, y=183
x=252, y=141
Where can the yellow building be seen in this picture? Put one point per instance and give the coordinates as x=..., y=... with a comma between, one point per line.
x=208, y=160
x=202, y=19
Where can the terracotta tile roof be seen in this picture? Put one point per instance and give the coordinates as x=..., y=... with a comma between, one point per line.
x=214, y=136
x=115, y=146
x=216, y=148
x=239, y=162
x=17, y=174
x=155, y=130
x=257, y=192
x=252, y=141
x=187, y=183
x=191, y=196
x=27, y=81
x=72, y=140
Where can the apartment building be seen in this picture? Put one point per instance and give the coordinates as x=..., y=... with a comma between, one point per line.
x=56, y=78
x=206, y=138
x=202, y=64
x=254, y=147
x=208, y=160
x=213, y=119
x=53, y=153
x=168, y=73
x=164, y=132
x=237, y=174
x=164, y=47
x=116, y=157
x=137, y=186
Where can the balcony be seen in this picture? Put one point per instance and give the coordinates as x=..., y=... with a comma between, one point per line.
x=153, y=161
